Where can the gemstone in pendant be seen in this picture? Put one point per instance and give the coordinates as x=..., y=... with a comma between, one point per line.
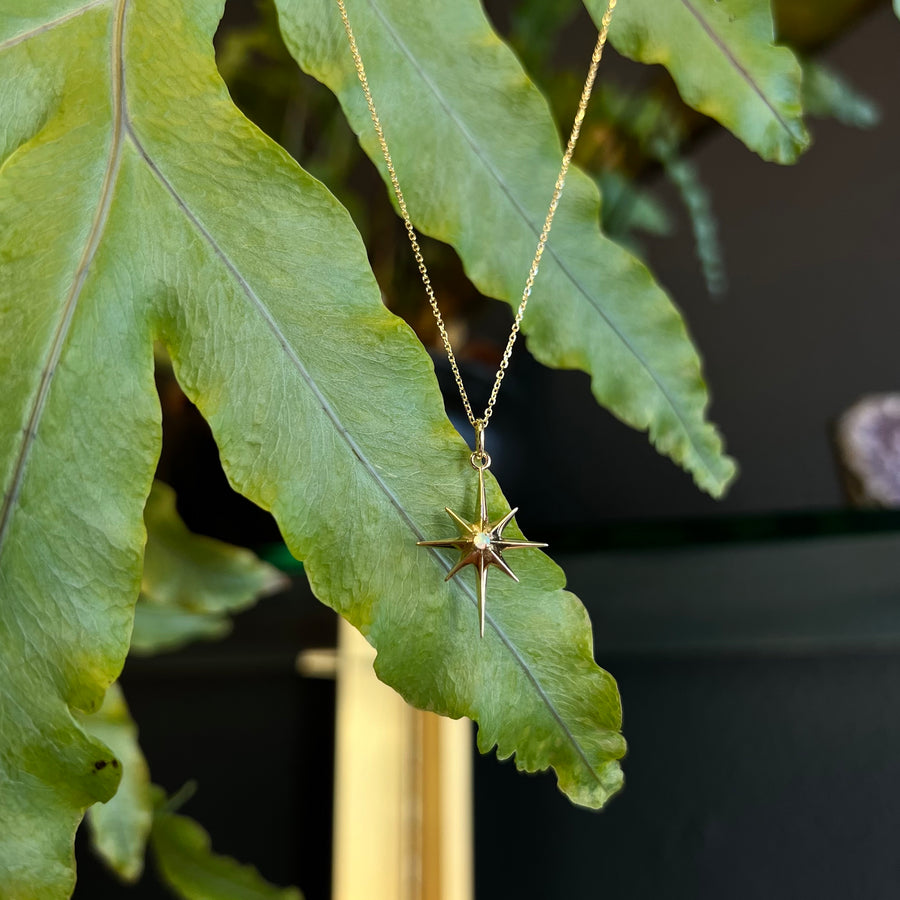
x=482, y=540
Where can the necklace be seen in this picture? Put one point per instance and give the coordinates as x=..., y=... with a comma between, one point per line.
x=481, y=543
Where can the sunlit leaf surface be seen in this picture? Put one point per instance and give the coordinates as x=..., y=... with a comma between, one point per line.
x=136, y=204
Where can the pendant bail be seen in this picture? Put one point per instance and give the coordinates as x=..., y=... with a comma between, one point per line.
x=480, y=458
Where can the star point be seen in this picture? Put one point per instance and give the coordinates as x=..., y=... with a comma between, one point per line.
x=481, y=544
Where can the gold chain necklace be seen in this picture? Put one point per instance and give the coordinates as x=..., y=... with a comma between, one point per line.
x=481, y=543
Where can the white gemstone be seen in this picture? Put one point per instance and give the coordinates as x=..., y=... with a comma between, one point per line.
x=482, y=540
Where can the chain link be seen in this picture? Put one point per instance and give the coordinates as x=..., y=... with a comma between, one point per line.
x=479, y=424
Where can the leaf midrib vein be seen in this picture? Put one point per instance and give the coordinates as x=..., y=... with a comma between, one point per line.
x=550, y=249
x=48, y=26
x=357, y=451
x=91, y=246
x=726, y=51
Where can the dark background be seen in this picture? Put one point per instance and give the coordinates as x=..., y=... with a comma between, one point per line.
x=756, y=640
x=810, y=323
x=760, y=678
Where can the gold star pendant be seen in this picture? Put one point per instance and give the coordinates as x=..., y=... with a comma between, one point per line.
x=481, y=544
